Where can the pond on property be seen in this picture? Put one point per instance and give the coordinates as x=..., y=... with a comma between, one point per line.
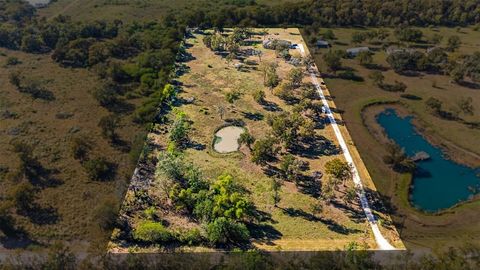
x=439, y=183
x=226, y=139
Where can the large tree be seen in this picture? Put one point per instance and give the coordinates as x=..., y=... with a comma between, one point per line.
x=339, y=170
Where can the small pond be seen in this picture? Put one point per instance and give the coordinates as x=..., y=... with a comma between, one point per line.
x=226, y=139
x=438, y=183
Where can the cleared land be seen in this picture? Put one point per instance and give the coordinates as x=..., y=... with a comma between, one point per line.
x=292, y=224
x=459, y=141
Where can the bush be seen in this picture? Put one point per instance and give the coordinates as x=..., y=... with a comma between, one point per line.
x=106, y=214
x=396, y=87
x=99, y=169
x=225, y=231
x=231, y=97
x=151, y=232
x=12, y=61
x=259, y=96
x=191, y=237
x=80, y=147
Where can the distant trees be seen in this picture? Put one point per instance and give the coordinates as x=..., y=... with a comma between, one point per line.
x=453, y=43
x=404, y=60
x=358, y=37
x=365, y=58
x=408, y=34
x=333, y=60
x=465, y=105
x=377, y=77
x=434, y=104
x=465, y=67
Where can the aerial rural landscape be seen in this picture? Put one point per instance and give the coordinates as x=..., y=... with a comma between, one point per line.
x=259, y=129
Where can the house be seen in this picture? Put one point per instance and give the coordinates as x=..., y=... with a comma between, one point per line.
x=352, y=52
x=322, y=44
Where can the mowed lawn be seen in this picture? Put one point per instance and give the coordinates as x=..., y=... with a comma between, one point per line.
x=208, y=79
x=418, y=230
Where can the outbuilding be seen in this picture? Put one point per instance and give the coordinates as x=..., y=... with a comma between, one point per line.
x=352, y=52
x=323, y=44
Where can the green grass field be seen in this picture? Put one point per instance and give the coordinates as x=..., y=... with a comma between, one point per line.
x=418, y=230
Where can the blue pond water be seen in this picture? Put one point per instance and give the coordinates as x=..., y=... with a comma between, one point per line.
x=439, y=183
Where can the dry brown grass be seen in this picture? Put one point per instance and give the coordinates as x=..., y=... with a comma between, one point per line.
x=75, y=199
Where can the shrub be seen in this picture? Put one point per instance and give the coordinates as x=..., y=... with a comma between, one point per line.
x=151, y=232
x=106, y=214
x=99, y=169
x=80, y=147
x=224, y=231
x=12, y=61
x=259, y=96
x=246, y=138
x=232, y=96
x=191, y=237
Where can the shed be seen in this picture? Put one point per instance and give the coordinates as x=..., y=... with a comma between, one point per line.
x=352, y=52
x=322, y=44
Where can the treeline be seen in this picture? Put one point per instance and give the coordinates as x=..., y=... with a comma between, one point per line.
x=316, y=13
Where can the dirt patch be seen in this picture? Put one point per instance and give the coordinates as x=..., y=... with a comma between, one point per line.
x=226, y=139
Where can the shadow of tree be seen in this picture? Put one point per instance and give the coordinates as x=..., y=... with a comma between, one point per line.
x=271, y=106
x=308, y=185
x=253, y=116
x=356, y=215
x=313, y=147
x=41, y=215
x=40, y=176
x=331, y=224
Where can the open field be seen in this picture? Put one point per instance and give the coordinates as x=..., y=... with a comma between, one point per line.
x=459, y=141
x=291, y=225
x=67, y=199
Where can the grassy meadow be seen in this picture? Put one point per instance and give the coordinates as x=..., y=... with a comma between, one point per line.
x=68, y=201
